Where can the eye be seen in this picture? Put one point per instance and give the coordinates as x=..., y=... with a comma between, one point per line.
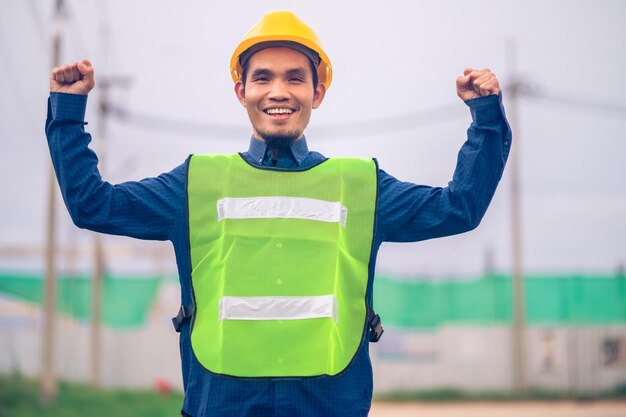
x=260, y=79
x=296, y=80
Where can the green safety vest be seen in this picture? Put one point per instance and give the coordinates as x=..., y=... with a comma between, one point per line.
x=279, y=264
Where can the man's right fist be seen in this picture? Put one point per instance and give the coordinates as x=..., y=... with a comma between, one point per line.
x=76, y=78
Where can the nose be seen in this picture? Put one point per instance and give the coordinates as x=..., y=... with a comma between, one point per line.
x=278, y=91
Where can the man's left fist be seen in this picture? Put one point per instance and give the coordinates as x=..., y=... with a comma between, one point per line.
x=477, y=83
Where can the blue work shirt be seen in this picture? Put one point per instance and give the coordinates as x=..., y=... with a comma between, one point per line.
x=156, y=208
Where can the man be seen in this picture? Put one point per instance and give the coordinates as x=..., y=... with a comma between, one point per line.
x=276, y=246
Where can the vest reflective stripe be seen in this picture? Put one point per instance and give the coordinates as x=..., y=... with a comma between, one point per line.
x=281, y=207
x=278, y=308
x=280, y=295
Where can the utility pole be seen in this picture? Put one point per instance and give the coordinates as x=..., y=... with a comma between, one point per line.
x=98, y=250
x=48, y=388
x=518, y=295
x=99, y=262
x=489, y=266
x=104, y=109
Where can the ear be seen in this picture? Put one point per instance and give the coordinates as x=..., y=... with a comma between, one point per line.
x=240, y=92
x=318, y=95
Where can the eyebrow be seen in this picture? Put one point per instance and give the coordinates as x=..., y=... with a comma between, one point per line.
x=290, y=73
x=297, y=72
x=261, y=71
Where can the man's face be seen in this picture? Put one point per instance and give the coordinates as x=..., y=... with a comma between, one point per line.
x=279, y=93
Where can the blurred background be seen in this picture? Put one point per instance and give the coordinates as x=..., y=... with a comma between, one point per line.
x=532, y=300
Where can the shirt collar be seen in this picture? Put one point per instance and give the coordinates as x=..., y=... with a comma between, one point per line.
x=299, y=149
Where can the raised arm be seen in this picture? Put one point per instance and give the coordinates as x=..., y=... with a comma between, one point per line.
x=146, y=209
x=409, y=212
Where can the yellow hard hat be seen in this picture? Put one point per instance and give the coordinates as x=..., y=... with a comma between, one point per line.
x=282, y=26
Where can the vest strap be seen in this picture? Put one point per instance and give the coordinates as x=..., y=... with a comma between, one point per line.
x=184, y=314
x=375, y=326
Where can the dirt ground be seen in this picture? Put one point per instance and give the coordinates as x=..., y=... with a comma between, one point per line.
x=522, y=409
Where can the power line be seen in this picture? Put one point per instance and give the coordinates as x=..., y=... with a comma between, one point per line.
x=179, y=127
x=402, y=123
x=597, y=104
x=410, y=121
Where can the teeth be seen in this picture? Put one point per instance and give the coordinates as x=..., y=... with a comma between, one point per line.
x=278, y=111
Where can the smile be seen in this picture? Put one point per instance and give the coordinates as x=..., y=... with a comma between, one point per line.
x=278, y=110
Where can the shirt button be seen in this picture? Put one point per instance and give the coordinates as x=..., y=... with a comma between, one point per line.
x=506, y=143
x=279, y=245
x=279, y=281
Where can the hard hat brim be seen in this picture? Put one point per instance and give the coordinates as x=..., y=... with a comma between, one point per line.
x=324, y=69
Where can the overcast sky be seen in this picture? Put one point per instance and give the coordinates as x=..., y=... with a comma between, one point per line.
x=390, y=59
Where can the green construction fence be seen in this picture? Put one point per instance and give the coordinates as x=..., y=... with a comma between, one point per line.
x=126, y=300
x=487, y=300
x=414, y=303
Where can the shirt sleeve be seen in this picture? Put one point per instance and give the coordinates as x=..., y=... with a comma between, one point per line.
x=146, y=209
x=410, y=212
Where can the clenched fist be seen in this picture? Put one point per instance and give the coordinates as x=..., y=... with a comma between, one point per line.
x=76, y=78
x=477, y=83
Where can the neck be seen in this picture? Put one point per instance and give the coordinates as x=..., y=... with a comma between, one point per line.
x=278, y=143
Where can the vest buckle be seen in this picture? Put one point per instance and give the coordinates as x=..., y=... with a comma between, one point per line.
x=184, y=314
x=376, y=328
